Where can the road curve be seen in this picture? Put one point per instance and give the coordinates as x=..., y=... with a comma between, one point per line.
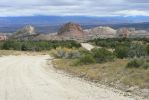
x=30, y=78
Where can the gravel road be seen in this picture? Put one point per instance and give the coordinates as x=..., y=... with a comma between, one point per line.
x=31, y=78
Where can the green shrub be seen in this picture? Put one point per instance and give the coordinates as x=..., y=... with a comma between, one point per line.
x=37, y=45
x=125, y=47
x=1, y=45
x=146, y=66
x=86, y=59
x=102, y=55
x=84, y=51
x=11, y=45
x=65, y=53
x=137, y=50
x=147, y=48
x=147, y=59
x=72, y=54
x=136, y=63
x=121, y=51
x=134, y=51
x=112, y=42
x=58, y=53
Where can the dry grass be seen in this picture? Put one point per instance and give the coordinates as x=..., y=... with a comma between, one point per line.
x=111, y=73
x=16, y=53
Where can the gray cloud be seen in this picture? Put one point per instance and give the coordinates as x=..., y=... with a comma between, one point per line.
x=74, y=7
x=138, y=1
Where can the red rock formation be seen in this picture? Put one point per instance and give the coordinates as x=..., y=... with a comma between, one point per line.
x=125, y=32
x=71, y=29
x=3, y=37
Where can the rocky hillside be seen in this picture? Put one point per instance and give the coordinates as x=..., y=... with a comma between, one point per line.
x=102, y=32
x=27, y=30
x=132, y=33
x=125, y=32
x=25, y=33
x=108, y=32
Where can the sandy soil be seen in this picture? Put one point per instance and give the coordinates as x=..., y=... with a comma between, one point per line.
x=31, y=78
x=87, y=46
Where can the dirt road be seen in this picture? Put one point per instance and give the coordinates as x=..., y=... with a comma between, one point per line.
x=30, y=78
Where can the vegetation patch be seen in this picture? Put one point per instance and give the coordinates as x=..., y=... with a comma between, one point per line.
x=127, y=66
x=102, y=55
x=66, y=53
x=86, y=59
x=36, y=45
x=138, y=63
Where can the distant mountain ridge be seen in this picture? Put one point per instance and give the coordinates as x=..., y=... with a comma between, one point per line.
x=59, y=20
x=50, y=24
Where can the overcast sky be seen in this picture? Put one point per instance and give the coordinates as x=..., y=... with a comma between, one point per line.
x=74, y=7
